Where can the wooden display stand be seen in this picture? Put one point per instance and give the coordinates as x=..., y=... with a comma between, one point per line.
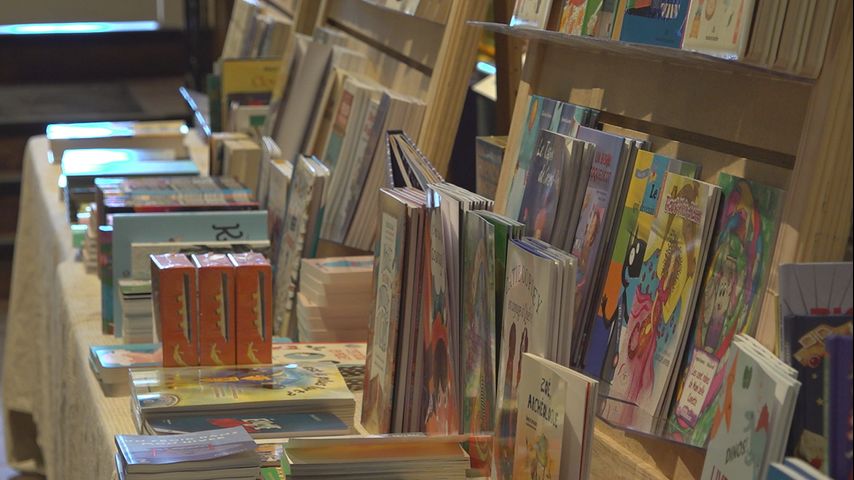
x=431, y=58
x=790, y=132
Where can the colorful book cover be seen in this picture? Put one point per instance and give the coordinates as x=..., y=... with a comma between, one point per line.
x=806, y=351
x=257, y=425
x=655, y=22
x=661, y=306
x=105, y=273
x=839, y=371
x=504, y=229
x=272, y=473
x=339, y=125
x=592, y=16
x=554, y=428
x=543, y=185
x=489, y=153
x=573, y=16
x=718, y=28
x=441, y=410
x=528, y=315
x=277, y=204
x=601, y=191
x=737, y=274
x=382, y=334
x=746, y=418
x=220, y=388
x=538, y=117
x=478, y=324
x=627, y=260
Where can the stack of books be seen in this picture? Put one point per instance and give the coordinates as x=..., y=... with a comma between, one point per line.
x=755, y=413
x=110, y=364
x=172, y=394
x=415, y=457
x=167, y=134
x=137, y=318
x=335, y=299
x=220, y=454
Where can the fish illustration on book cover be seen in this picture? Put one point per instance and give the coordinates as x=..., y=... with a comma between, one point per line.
x=736, y=277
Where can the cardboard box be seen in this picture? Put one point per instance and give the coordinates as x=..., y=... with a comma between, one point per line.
x=174, y=293
x=254, y=314
x=215, y=279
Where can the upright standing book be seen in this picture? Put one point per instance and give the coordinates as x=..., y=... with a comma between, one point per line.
x=737, y=275
x=659, y=23
x=839, y=371
x=554, y=429
x=719, y=28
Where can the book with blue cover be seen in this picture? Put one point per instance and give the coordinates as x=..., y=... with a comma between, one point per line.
x=657, y=22
x=838, y=414
x=162, y=227
x=258, y=424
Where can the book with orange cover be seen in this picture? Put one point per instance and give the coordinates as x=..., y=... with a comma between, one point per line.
x=215, y=278
x=253, y=308
x=173, y=292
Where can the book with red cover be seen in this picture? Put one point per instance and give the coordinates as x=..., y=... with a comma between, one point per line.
x=253, y=308
x=215, y=275
x=173, y=292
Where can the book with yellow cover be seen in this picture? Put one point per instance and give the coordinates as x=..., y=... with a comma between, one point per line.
x=239, y=388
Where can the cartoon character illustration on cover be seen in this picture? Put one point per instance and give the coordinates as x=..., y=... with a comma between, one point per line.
x=538, y=463
x=656, y=308
x=572, y=16
x=506, y=424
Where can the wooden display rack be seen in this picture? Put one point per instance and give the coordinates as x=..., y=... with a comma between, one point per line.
x=431, y=58
x=790, y=132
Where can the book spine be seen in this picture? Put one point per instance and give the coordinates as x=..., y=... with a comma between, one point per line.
x=105, y=273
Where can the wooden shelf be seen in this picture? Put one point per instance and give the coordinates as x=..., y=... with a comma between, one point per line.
x=652, y=53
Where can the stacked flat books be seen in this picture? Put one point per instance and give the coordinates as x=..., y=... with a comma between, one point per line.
x=211, y=455
x=110, y=364
x=334, y=299
x=413, y=457
x=754, y=415
x=137, y=317
x=159, y=394
x=159, y=134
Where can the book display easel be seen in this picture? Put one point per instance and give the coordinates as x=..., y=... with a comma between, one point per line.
x=727, y=116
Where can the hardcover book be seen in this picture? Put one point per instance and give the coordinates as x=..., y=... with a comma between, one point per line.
x=719, y=28
x=737, y=274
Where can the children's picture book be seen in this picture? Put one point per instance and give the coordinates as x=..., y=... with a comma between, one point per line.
x=737, y=274
x=543, y=184
x=660, y=302
x=441, y=408
x=478, y=324
x=805, y=349
x=573, y=16
x=623, y=273
x=554, y=428
x=259, y=425
x=659, y=22
x=752, y=411
x=838, y=372
x=719, y=28
x=382, y=335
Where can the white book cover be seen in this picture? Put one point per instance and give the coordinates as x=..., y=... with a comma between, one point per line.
x=718, y=27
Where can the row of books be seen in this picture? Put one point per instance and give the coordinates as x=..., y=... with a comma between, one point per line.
x=789, y=36
x=110, y=363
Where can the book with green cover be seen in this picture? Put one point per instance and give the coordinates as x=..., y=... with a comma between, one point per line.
x=737, y=274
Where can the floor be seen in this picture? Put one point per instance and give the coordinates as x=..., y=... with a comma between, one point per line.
x=6, y=473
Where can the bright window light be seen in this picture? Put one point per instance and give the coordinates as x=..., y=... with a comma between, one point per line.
x=77, y=27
